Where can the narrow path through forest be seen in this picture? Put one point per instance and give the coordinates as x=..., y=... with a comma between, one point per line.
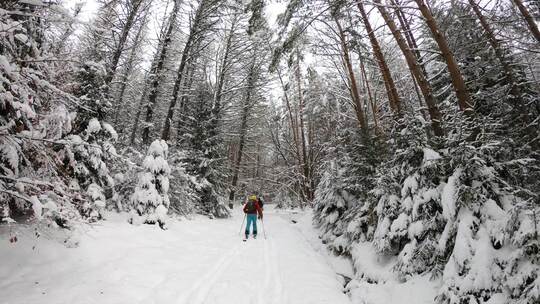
x=195, y=261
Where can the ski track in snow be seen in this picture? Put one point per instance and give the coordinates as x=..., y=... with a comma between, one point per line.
x=276, y=277
x=200, y=291
x=195, y=262
x=269, y=290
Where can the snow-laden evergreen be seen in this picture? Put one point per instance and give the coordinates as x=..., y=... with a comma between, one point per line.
x=454, y=213
x=330, y=206
x=150, y=201
x=202, y=138
x=490, y=233
x=88, y=154
x=46, y=155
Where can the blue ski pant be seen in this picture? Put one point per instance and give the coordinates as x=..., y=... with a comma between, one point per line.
x=251, y=219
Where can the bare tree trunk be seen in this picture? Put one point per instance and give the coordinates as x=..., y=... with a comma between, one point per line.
x=391, y=91
x=305, y=161
x=464, y=100
x=352, y=79
x=529, y=19
x=246, y=107
x=186, y=91
x=411, y=41
x=258, y=162
x=415, y=68
x=293, y=123
x=292, y=120
x=129, y=70
x=372, y=102
x=193, y=31
x=156, y=71
x=218, y=95
x=133, y=12
x=137, y=116
x=311, y=161
x=224, y=68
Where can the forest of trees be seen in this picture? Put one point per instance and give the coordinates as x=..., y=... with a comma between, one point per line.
x=409, y=124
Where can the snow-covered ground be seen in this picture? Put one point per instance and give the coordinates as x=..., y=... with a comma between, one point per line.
x=374, y=282
x=195, y=261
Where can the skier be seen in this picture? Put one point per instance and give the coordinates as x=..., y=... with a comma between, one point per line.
x=251, y=209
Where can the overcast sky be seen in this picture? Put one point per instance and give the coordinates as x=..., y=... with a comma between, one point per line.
x=273, y=8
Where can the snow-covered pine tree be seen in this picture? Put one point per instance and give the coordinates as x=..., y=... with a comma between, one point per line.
x=203, y=149
x=92, y=141
x=362, y=158
x=124, y=171
x=34, y=118
x=457, y=212
x=342, y=194
x=183, y=194
x=330, y=204
x=91, y=149
x=407, y=193
x=87, y=157
x=490, y=240
x=150, y=201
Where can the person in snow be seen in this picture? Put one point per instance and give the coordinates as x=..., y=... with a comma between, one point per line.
x=252, y=208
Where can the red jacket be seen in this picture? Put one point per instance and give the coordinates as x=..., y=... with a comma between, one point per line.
x=258, y=209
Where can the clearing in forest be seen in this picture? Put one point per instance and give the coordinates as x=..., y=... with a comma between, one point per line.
x=193, y=262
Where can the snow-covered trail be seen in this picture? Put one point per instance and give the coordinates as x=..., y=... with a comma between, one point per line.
x=194, y=262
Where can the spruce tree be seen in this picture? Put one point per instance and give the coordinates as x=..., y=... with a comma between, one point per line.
x=150, y=201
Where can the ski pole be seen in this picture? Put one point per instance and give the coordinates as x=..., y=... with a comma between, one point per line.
x=264, y=230
x=240, y=231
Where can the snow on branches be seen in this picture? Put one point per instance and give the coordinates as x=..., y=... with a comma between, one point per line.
x=150, y=199
x=457, y=213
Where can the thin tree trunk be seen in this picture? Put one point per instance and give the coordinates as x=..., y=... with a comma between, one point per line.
x=163, y=34
x=293, y=123
x=156, y=72
x=409, y=36
x=529, y=19
x=425, y=87
x=464, y=100
x=305, y=164
x=352, y=79
x=129, y=69
x=218, y=95
x=371, y=101
x=411, y=41
x=292, y=120
x=136, y=4
x=186, y=91
x=311, y=158
x=257, y=162
x=223, y=69
x=246, y=106
x=137, y=116
x=166, y=132
x=391, y=91
x=499, y=53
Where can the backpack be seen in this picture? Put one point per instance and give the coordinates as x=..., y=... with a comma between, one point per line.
x=251, y=207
